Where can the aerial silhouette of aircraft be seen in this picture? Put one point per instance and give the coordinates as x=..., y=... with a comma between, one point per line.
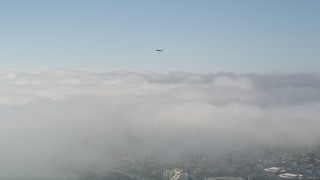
x=159, y=50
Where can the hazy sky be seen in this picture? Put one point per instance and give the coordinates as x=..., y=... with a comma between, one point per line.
x=197, y=36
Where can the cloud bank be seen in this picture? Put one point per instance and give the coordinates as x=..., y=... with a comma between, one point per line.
x=72, y=119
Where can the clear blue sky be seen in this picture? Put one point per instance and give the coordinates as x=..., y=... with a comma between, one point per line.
x=196, y=35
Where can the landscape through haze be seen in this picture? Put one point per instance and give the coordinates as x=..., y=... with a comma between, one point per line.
x=98, y=90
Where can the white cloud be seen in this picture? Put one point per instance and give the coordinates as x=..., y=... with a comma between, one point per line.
x=74, y=118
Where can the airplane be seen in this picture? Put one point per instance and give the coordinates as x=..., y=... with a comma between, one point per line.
x=159, y=50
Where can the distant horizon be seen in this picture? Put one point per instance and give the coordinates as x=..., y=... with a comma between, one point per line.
x=154, y=71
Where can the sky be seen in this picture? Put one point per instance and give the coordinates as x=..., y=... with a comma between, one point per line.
x=197, y=36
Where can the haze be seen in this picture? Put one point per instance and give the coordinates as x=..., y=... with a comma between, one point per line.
x=55, y=121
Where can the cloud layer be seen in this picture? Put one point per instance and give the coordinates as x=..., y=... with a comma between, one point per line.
x=71, y=119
